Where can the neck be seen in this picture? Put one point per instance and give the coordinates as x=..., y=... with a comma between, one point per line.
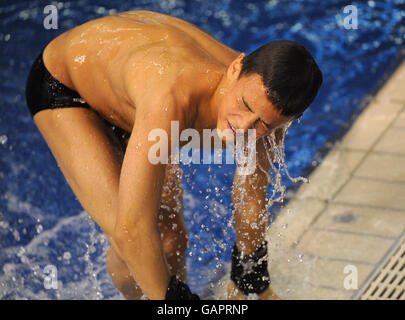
x=208, y=104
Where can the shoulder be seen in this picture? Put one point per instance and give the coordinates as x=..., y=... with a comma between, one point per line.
x=160, y=78
x=161, y=107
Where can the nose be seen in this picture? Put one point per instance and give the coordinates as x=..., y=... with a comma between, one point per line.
x=248, y=121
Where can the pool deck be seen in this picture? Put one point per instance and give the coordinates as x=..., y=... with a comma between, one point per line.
x=352, y=211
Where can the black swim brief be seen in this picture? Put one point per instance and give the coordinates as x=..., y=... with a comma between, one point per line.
x=43, y=92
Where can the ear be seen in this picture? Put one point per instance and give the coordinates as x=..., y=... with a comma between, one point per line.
x=235, y=67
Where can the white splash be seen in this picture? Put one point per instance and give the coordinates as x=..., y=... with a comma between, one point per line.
x=80, y=59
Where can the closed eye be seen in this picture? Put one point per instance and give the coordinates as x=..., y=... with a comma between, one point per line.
x=246, y=105
x=268, y=126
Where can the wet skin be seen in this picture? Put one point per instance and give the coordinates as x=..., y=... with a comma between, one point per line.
x=140, y=70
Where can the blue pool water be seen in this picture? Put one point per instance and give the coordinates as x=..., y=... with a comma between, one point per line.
x=41, y=222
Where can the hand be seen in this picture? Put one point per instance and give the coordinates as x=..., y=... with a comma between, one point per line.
x=178, y=290
x=233, y=293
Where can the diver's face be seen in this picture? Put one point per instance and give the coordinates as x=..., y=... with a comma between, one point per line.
x=245, y=105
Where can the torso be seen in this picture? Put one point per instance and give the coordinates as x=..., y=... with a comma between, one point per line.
x=94, y=59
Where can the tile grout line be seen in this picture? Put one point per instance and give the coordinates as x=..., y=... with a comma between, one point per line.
x=398, y=128
x=340, y=260
x=379, y=180
x=327, y=201
x=314, y=286
x=394, y=154
x=397, y=101
x=367, y=206
x=354, y=233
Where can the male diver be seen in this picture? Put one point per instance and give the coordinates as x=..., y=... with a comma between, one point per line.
x=96, y=91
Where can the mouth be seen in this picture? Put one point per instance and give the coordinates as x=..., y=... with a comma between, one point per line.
x=232, y=128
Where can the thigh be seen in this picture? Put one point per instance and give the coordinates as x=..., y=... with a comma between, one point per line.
x=89, y=156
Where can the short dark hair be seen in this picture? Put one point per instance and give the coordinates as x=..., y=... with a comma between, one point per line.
x=288, y=71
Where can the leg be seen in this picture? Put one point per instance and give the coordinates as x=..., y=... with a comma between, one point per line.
x=90, y=157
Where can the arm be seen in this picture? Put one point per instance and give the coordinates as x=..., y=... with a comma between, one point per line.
x=136, y=231
x=250, y=213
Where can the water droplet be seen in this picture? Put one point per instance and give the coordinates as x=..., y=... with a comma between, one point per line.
x=67, y=255
x=3, y=139
x=39, y=228
x=253, y=296
x=80, y=59
x=21, y=252
x=16, y=235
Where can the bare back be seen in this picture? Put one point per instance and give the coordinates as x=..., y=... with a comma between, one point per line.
x=151, y=52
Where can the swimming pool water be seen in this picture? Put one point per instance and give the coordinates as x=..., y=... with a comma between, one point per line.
x=41, y=222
